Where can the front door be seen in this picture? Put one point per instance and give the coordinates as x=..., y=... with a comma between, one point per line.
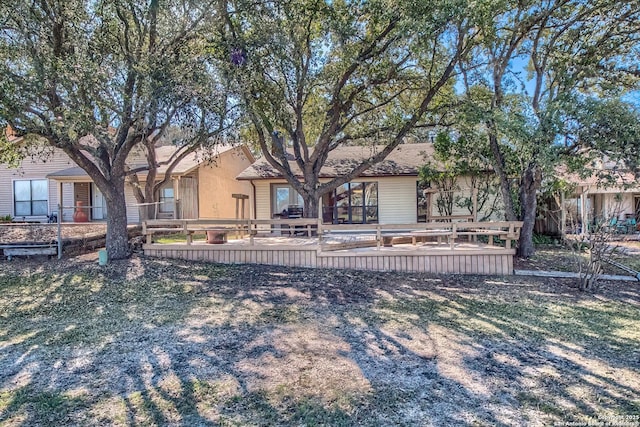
x=99, y=210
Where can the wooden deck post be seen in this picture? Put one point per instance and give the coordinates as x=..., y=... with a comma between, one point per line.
x=240, y=209
x=60, y=227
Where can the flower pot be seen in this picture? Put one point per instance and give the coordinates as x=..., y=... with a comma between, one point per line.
x=216, y=237
x=80, y=215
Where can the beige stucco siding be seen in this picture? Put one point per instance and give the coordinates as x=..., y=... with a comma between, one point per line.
x=619, y=205
x=464, y=190
x=217, y=182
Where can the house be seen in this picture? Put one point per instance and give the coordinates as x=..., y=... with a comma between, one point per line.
x=200, y=186
x=605, y=194
x=387, y=193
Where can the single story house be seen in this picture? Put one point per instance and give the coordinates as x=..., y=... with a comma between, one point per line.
x=387, y=193
x=200, y=186
x=596, y=199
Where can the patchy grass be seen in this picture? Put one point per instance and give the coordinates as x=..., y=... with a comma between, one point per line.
x=557, y=258
x=182, y=238
x=153, y=342
x=177, y=238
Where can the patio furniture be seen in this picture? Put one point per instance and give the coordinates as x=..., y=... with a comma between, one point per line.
x=439, y=234
x=217, y=236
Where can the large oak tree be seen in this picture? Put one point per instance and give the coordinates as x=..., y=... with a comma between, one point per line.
x=316, y=74
x=97, y=78
x=570, y=50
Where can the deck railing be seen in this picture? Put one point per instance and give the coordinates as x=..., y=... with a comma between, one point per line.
x=384, y=233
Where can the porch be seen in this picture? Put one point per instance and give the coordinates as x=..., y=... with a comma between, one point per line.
x=460, y=248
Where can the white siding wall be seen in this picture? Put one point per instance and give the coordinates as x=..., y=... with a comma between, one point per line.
x=397, y=202
x=39, y=169
x=133, y=213
x=67, y=200
x=263, y=199
x=31, y=169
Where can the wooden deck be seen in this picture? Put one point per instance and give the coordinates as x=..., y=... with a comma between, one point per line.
x=464, y=258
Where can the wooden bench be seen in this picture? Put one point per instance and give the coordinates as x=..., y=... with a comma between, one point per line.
x=28, y=250
x=476, y=232
x=439, y=234
x=507, y=235
x=387, y=239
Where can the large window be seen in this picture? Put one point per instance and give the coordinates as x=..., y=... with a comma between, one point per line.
x=284, y=195
x=351, y=203
x=30, y=197
x=167, y=200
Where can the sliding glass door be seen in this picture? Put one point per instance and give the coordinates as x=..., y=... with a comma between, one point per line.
x=351, y=203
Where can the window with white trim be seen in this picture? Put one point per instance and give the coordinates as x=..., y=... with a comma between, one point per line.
x=31, y=197
x=167, y=200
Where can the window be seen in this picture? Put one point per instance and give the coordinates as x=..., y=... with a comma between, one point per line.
x=30, y=198
x=284, y=195
x=166, y=200
x=351, y=203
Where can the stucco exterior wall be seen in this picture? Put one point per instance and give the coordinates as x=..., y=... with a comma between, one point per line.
x=464, y=190
x=218, y=182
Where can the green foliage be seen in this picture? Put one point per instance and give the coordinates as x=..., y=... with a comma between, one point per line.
x=315, y=75
x=543, y=239
x=6, y=218
x=456, y=160
x=96, y=79
x=571, y=49
x=607, y=127
x=10, y=155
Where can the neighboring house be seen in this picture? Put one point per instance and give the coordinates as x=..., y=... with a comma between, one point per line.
x=199, y=187
x=387, y=193
x=616, y=197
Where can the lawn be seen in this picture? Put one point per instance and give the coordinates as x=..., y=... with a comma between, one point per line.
x=558, y=258
x=156, y=342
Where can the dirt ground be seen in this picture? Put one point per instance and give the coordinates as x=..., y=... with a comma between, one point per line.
x=45, y=233
x=556, y=258
x=158, y=342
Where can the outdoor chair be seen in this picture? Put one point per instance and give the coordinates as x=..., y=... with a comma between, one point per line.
x=630, y=225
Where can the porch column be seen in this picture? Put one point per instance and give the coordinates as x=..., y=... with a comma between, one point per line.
x=60, y=201
x=176, y=198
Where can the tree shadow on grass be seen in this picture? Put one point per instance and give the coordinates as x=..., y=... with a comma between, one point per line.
x=182, y=343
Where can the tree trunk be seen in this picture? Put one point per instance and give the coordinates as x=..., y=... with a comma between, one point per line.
x=117, y=240
x=531, y=181
x=499, y=167
x=311, y=206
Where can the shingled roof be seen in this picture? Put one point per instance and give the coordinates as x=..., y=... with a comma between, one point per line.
x=405, y=160
x=163, y=154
